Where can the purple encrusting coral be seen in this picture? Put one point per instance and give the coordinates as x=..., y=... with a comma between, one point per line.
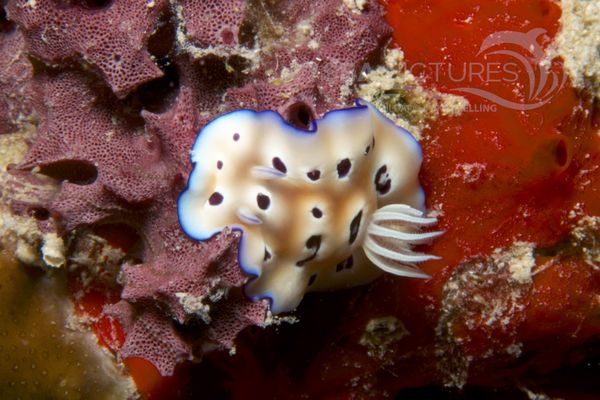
x=15, y=78
x=121, y=88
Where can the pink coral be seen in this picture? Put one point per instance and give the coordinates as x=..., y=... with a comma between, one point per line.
x=15, y=79
x=212, y=23
x=151, y=336
x=120, y=144
x=78, y=138
x=315, y=59
x=111, y=38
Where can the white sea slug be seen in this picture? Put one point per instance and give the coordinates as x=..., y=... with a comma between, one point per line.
x=322, y=209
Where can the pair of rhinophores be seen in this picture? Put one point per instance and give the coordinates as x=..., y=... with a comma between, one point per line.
x=322, y=209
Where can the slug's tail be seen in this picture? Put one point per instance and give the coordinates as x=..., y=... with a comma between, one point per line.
x=389, y=238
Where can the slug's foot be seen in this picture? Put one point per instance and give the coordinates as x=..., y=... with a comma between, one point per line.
x=390, y=235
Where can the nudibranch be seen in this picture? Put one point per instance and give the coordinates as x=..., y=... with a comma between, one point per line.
x=327, y=208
